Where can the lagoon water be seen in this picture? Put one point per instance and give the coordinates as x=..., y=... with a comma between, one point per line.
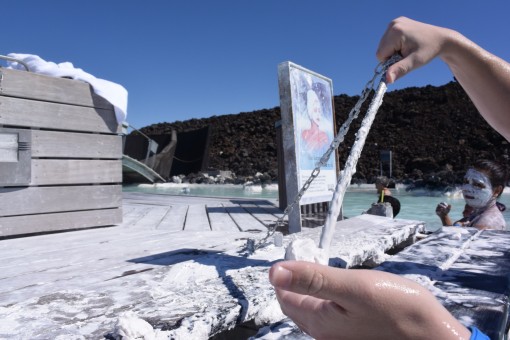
x=415, y=205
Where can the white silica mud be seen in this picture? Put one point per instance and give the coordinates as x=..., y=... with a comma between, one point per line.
x=305, y=249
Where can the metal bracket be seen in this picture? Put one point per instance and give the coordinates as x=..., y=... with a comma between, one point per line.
x=15, y=157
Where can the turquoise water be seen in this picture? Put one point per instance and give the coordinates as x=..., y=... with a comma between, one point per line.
x=414, y=205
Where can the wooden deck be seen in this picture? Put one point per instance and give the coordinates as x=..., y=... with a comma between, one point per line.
x=194, y=213
x=176, y=263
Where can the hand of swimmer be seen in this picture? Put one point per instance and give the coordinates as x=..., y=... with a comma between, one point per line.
x=330, y=303
x=443, y=209
x=417, y=42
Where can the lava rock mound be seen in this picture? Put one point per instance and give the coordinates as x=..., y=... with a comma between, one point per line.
x=434, y=134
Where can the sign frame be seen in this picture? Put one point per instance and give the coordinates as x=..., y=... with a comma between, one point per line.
x=308, y=128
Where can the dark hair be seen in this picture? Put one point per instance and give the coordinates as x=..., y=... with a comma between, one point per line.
x=382, y=180
x=497, y=172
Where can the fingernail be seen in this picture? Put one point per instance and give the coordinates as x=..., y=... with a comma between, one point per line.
x=280, y=276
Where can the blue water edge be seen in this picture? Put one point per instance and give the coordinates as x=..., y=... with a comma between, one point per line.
x=415, y=205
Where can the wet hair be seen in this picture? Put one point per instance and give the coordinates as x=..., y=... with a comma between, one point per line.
x=497, y=173
x=383, y=180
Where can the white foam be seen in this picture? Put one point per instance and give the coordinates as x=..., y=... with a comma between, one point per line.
x=252, y=188
x=271, y=187
x=269, y=313
x=305, y=250
x=130, y=327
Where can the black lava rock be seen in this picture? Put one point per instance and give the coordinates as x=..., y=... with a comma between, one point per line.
x=434, y=134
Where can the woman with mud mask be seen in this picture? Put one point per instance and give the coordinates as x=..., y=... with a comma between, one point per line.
x=483, y=184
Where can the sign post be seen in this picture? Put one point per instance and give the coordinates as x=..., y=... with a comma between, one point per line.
x=306, y=103
x=386, y=158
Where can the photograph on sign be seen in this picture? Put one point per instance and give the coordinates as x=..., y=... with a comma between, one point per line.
x=312, y=111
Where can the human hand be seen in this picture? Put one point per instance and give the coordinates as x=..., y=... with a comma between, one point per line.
x=418, y=43
x=330, y=303
x=443, y=209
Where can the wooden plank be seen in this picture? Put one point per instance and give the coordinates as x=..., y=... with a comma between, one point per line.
x=101, y=262
x=51, y=246
x=197, y=219
x=270, y=208
x=220, y=219
x=260, y=213
x=65, y=171
x=38, y=114
x=244, y=219
x=121, y=241
x=174, y=218
x=54, y=144
x=153, y=218
x=36, y=200
x=133, y=213
x=150, y=217
x=18, y=225
x=23, y=84
x=8, y=147
x=153, y=199
x=147, y=198
x=127, y=209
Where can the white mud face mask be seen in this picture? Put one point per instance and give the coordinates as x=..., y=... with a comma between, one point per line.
x=477, y=189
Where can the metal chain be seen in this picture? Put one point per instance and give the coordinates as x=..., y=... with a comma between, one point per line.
x=353, y=114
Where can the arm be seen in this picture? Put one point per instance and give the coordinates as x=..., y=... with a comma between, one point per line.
x=442, y=210
x=329, y=303
x=484, y=76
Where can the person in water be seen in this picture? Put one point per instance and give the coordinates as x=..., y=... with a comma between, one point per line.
x=330, y=303
x=384, y=194
x=483, y=185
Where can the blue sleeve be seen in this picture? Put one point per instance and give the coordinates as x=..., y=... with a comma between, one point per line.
x=477, y=335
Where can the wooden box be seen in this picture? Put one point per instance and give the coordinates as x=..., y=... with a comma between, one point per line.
x=60, y=155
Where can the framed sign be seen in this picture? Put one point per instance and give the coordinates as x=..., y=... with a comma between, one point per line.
x=308, y=128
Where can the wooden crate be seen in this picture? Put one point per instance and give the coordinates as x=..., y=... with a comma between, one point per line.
x=60, y=155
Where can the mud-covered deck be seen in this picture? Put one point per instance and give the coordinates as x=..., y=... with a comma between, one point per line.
x=175, y=263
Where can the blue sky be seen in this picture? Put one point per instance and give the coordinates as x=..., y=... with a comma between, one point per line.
x=192, y=59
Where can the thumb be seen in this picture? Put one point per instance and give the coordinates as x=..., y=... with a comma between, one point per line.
x=398, y=70
x=411, y=61
x=310, y=279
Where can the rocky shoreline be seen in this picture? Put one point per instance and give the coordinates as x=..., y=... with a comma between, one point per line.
x=434, y=134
